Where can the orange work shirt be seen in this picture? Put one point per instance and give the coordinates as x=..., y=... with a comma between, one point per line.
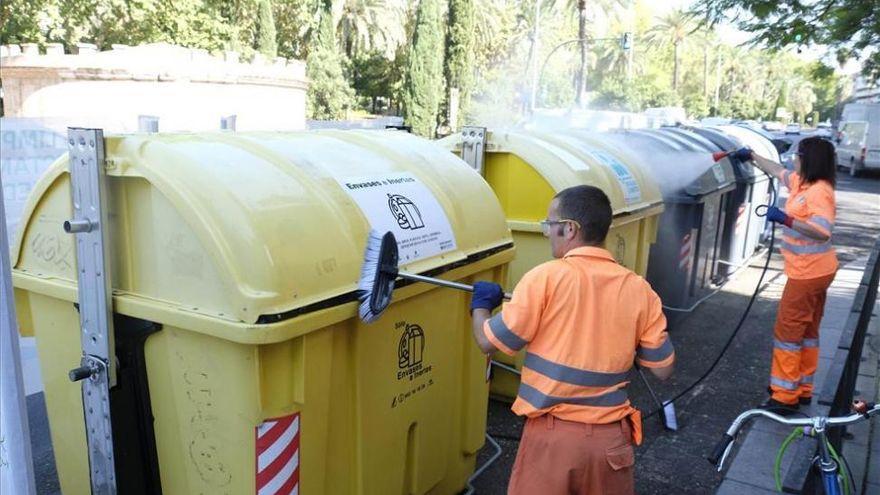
x=814, y=205
x=584, y=319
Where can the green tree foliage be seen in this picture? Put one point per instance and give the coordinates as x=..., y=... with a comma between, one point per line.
x=671, y=31
x=423, y=87
x=329, y=94
x=846, y=25
x=296, y=23
x=459, y=58
x=265, y=27
x=365, y=26
x=376, y=78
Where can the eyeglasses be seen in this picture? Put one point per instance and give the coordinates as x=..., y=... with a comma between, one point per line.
x=545, y=225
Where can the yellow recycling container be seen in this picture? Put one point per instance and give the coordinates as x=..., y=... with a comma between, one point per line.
x=527, y=168
x=241, y=364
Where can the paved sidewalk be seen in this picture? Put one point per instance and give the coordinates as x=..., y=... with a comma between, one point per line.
x=751, y=467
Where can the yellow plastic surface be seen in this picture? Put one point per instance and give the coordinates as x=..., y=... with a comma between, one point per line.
x=527, y=168
x=209, y=231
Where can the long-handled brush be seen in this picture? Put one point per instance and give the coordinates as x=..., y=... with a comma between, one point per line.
x=380, y=272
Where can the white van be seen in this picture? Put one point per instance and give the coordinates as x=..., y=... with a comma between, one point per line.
x=858, y=138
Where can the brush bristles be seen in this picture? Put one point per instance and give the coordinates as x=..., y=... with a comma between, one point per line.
x=369, y=274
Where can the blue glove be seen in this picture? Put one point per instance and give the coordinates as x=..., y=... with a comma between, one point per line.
x=742, y=154
x=487, y=295
x=774, y=214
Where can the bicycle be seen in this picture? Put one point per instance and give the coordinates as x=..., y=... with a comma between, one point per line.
x=828, y=460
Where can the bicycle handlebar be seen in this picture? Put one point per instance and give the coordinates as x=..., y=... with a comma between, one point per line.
x=723, y=447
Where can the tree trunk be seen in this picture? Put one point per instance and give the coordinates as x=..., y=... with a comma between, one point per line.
x=717, y=83
x=675, y=65
x=581, y=79
x=706, y=70
x=629, y=59
x=533, y=58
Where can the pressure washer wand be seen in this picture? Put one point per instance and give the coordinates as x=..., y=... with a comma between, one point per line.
x=442, y=283
x=720, y=155
x=379, y=274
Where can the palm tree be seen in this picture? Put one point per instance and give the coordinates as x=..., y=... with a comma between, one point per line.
x=673, y=28
x=366, y=25
x=586, y=10
x=707, y=40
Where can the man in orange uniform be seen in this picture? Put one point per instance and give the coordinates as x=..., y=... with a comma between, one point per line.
x=810, y=264
x=583, y=319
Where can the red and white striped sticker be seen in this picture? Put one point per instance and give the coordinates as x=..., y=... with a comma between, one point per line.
x=684, y=253
x=277, y=456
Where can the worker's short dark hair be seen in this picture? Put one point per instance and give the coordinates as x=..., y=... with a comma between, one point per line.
x=590, y=207
x=818, y=160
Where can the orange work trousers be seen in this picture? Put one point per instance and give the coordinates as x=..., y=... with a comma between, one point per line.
x=796, y=338
x=558, y=457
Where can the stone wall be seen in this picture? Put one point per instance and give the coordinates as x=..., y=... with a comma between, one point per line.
x=188, y=90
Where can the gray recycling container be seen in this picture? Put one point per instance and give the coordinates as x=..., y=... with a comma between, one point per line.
x=742, y=220
x=683, y=261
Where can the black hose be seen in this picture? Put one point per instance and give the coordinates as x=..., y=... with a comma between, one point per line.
x=773, y=197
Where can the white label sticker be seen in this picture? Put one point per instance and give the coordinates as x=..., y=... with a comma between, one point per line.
x=632, y=193
x=399, y=203
x=719, y=172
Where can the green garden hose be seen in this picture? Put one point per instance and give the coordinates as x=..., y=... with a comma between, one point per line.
x=777, y=464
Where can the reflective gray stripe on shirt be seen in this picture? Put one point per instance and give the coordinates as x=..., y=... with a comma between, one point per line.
x=822, y=247
x=656, y=355
x=786, y=346
x=779, y=382
x=540, y=400
x=574, y=376
x=822, y=221
x=807, y=379
x=794, y=234
x=504, y=334
x=811, y=342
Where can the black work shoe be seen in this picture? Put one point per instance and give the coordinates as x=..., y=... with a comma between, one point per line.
x=805, y=401
x=780, y=408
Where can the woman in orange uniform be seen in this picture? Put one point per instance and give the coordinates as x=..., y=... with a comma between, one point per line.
x=810, y=264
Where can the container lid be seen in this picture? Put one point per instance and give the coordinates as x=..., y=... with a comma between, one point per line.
x=683, y=169
x=567, y=158
x=745, y=171
x=753, y=139
x=243, y=226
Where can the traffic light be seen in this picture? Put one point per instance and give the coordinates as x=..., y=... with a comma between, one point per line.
x=626, y=41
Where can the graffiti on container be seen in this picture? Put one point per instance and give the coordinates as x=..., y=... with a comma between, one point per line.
x=620, y=249
x=50, y=249
x=204, y=448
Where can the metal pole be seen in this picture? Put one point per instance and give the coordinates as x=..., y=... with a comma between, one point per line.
x=16, y=465
x=96, y=371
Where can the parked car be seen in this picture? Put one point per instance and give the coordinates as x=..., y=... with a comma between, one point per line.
x=858, y=146
x=824, y=130
x=793, y=129
x=772, y=126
